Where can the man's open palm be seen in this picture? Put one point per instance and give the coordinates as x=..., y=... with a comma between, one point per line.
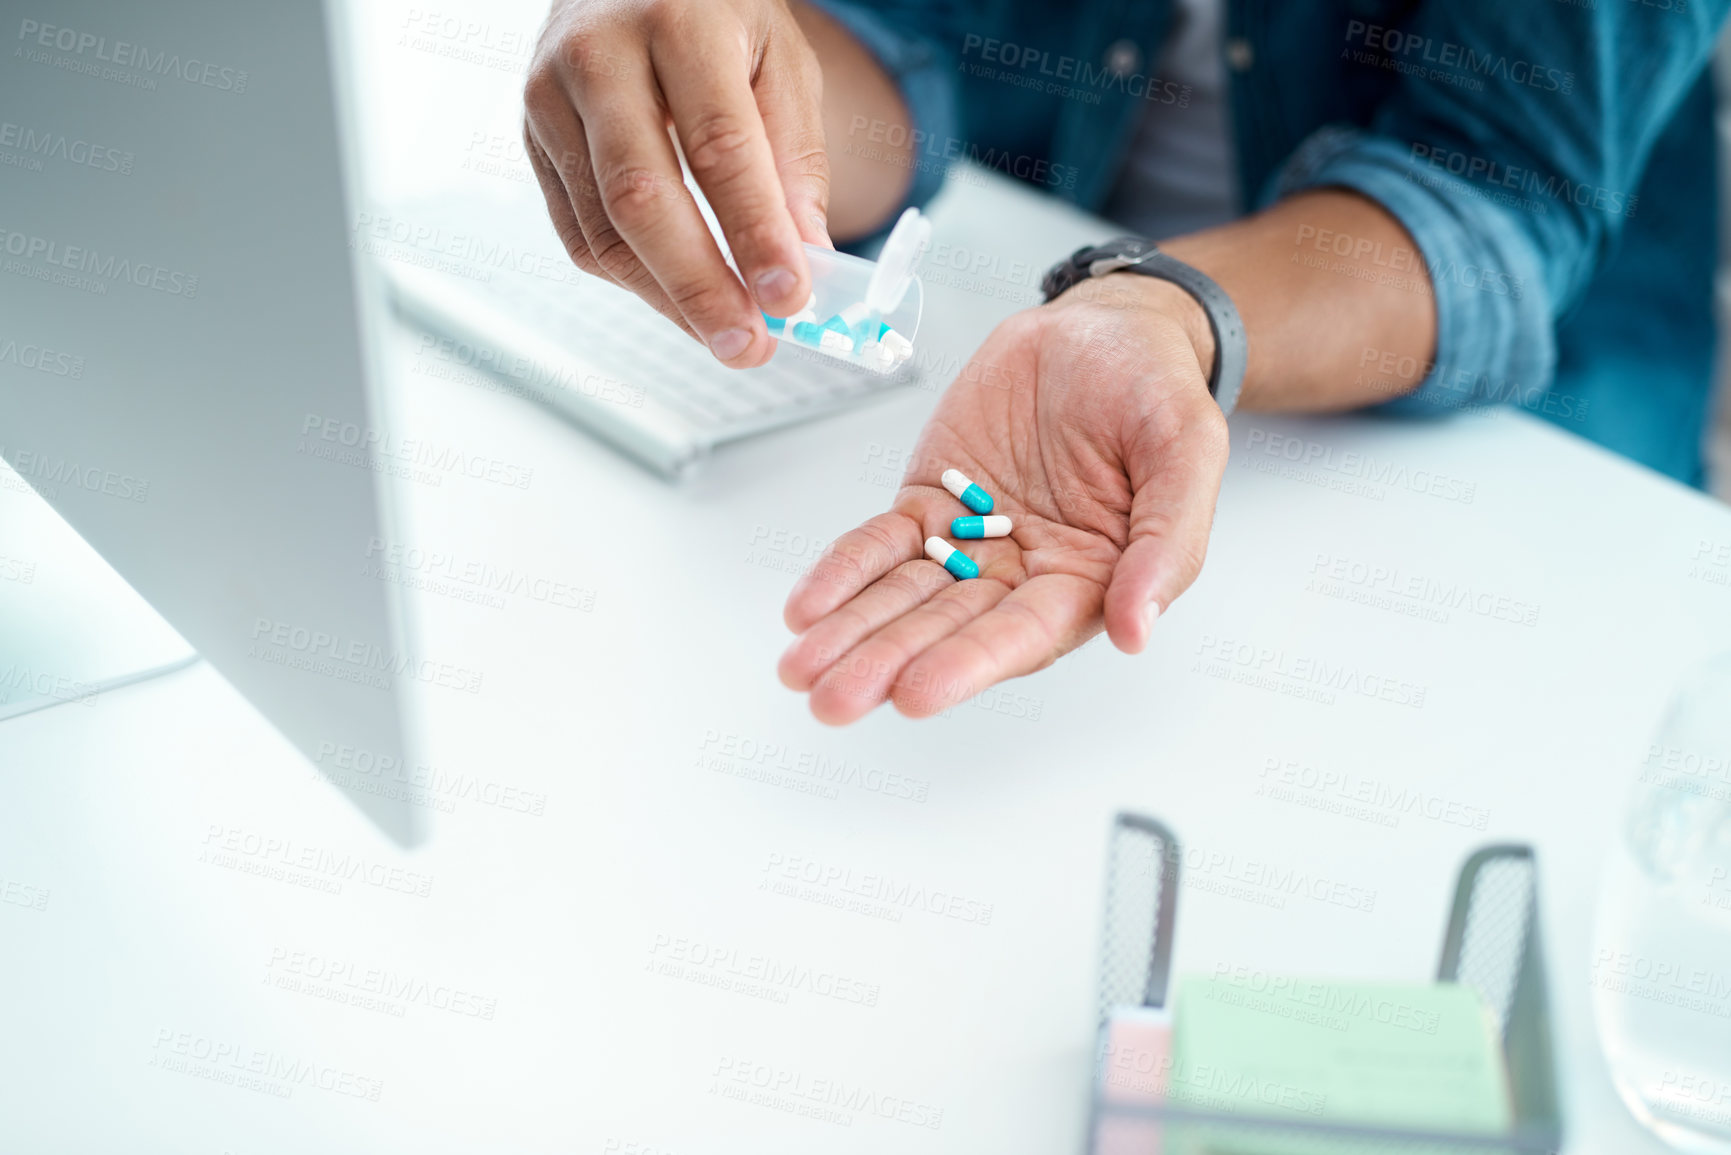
x=1091, y=426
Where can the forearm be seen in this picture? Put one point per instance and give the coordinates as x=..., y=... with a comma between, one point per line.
x=868, y=175
x=1335, y=298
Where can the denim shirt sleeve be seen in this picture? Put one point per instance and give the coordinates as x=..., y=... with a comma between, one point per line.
x=1511, y=149
x=923, y=74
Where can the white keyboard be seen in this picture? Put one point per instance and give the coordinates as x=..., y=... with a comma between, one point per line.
x=622, y=370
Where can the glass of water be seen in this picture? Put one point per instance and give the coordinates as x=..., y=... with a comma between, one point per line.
x=1661, y=966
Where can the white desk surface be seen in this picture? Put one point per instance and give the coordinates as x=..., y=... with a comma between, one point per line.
x=155, y=947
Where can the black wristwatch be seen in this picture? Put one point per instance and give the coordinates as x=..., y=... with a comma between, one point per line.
x=1136, y=255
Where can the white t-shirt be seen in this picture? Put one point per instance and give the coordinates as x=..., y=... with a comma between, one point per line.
x=1181, y=172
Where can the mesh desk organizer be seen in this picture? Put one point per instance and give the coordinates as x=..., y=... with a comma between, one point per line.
x=1491, y=945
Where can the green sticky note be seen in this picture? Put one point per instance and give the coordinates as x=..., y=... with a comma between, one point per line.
x=1410, y=1056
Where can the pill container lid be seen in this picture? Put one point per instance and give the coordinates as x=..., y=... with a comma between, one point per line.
x=896, y=263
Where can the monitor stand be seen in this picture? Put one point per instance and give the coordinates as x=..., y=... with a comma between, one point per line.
x=70, y=627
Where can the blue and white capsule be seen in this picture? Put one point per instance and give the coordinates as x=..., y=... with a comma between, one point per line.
x=783, y=326
x=958, y=563
x=977, y=527
x=966, y=491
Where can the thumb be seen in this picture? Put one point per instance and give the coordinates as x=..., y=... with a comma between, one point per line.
x=1175, y=481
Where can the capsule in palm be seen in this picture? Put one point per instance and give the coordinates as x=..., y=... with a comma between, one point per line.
x=966, y=491
x=958, y=563
x=974, y=527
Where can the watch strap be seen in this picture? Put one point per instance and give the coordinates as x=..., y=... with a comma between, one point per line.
x=1137, y=255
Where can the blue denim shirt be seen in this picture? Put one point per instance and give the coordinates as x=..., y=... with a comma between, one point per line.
x=1553, y=160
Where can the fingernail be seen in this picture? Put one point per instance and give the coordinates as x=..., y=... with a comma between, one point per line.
x=1149, y=614
x=774, y=285
x=729, y=343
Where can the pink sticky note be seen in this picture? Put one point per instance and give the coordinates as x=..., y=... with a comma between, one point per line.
x=1135, y=1063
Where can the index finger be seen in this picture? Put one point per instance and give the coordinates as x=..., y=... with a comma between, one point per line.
x=656, y=218
x=706, y=79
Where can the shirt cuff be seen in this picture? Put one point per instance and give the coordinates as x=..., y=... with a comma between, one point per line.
x=925, y=79
x=1495, y=334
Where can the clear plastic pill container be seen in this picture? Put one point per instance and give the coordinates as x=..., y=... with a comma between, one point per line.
x=864, y=312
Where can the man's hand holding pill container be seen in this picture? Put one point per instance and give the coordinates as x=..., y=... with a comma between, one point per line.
x=1327, y=260
x=740, y=83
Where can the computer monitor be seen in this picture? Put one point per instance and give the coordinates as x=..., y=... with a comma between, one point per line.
x=186, y=345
